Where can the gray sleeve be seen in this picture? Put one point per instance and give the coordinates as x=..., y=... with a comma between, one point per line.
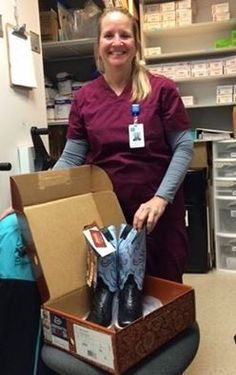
x=73, y=154
x=182, y=146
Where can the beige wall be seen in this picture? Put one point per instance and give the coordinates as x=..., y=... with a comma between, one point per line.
x=19, y=108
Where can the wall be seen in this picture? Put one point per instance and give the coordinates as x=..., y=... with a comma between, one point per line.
x=19, y=108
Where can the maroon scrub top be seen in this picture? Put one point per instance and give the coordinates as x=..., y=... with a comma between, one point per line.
x=102, y=118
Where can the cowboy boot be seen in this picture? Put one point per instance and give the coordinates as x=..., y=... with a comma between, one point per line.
x=106, y=286
x=131, y=265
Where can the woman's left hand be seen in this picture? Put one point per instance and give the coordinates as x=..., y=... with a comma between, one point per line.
x=149, y=213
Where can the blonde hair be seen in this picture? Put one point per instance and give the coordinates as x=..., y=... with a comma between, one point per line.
x=141, y=87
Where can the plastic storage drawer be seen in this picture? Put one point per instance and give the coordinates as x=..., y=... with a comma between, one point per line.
x=226, y=150
x=227, y=249
x=225, y=188
x=227, y=215
x=225, y=169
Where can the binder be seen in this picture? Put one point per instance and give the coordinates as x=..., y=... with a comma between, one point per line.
x=21, y=65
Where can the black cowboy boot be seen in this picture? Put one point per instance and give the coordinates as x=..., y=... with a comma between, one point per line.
x=130, y=303
x=101, y=311
x=131, y=266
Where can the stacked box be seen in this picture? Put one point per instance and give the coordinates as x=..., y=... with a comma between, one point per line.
x=224, y=94
x=200, y=68
x=230, y=65
x=169, y=70
x=216, y=67
x=183, y=70
x=188, y=100
x=157, y=69
x=152, y=52
x=169, y=14
x=185, y=12
x=220, y=12
x=49, y=25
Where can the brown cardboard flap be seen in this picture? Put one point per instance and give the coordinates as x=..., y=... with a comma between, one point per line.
x=46, y=186
x=56, y=225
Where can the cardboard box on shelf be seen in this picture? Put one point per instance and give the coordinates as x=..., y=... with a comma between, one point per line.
x=200, y=155
x=54, y=207
x=49, y=25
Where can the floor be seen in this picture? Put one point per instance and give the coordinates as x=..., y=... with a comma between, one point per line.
x=216, y=315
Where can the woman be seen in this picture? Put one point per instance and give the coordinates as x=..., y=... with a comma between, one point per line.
x=146, y=174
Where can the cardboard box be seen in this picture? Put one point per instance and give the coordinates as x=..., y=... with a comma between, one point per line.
x=55, y=206
x=49, y=25
x=200, y=158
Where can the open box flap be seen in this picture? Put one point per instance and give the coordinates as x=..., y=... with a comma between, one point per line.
x=47, y=186
x=56, y=221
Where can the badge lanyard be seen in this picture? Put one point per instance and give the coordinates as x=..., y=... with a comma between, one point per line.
x=136, y=130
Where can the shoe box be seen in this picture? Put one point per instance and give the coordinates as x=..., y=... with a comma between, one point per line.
x=53, y=209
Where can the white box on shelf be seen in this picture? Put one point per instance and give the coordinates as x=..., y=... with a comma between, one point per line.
x=152, y=51
x=230, y=61
x=152, y=8
x=221, y=17
x=185, y=4
x=224, y=89
x=215, y=72
x=168, y=24
x=220, y=8
x=188, y=100
x=153, y=17
x=168, y=16
x=165, y=7
x=156, y=69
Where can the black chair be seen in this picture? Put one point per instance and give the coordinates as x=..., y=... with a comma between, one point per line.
x=43, y=160
x=173, y=358
x=5, y=166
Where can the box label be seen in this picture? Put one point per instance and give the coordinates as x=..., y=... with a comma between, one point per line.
x=94, y=345
x=59, y=331
x=45, y=317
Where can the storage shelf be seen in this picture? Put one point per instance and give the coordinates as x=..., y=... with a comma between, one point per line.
x=68, y=48
x=206, y=78
x=200, y=28
x=209, y=105
x=198, y=79
x=202, y=52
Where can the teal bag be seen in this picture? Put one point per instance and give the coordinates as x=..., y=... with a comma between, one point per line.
x=14, y=261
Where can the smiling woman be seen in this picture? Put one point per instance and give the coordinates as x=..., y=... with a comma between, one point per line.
x=147, y=173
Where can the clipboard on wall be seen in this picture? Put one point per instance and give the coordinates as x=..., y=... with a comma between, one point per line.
x=21, y=64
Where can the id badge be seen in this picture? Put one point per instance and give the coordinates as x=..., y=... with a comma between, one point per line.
x=136, y=136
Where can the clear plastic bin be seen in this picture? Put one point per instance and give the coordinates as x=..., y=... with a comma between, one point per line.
x=227, y=250
x=226, y=188
x=226, y=150
x=225, y=169
x=227, y=216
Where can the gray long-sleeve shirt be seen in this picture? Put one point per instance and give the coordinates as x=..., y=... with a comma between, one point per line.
x=181, y=144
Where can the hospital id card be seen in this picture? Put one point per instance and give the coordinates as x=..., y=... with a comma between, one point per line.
x=136, y=136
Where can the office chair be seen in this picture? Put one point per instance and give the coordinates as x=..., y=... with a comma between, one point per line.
x=173, y=358
x=5, y=166
x=43, y=160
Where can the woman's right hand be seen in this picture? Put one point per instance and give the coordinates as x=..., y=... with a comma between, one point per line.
x=149, y=213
